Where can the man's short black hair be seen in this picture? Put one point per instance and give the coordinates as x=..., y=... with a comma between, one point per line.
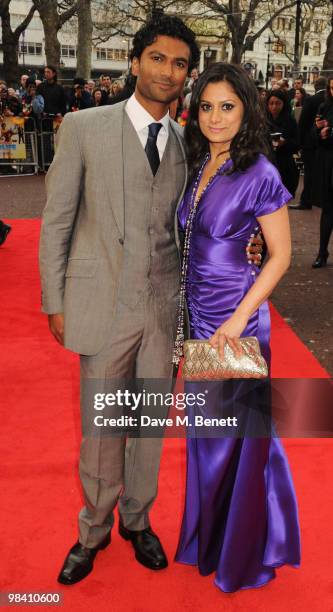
x=166, y=25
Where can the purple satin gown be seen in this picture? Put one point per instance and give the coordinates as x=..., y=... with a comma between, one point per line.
x=240, y=518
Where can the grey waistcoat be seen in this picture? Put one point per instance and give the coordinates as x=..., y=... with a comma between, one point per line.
x=151, y=258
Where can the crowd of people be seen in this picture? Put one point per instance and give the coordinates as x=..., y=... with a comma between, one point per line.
x=299, y=126
x=37, y=98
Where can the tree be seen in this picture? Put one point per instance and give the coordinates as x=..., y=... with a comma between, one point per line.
x=54, y=14
x=328, y=59
x=84, y=40
x=231, y=20
x=317, y=11
x=10, y=41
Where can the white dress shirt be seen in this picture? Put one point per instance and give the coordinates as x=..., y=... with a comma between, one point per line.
x=141, y=119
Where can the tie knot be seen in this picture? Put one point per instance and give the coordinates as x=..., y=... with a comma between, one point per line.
x=154, y=129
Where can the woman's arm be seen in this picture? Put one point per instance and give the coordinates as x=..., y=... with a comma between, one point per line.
x=276, y=231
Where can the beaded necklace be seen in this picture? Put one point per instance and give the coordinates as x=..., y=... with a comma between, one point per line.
x=179, y=342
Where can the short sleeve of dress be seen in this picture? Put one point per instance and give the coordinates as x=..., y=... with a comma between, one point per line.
x=272, y=194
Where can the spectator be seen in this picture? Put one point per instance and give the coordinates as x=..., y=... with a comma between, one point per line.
x=324, y=173
x=274, y=84
x=79, y=98
x=53, y=93
x=126, y=92
x=11, y=105
x=32, y=103
x=21, y=91
x=262, y=94
x=309, y=143
x=116, y=88
x=298, y=84
x=296, y=104
x=99, y=97
x=284, y=138
x=105, y=83
x=90, y=86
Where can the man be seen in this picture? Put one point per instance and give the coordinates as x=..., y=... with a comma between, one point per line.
x=298, y=84
x=79, y=99
x=53, y=93
x=105, y=83
x=110, y=276
x=309, y=143
x=90, y=86
x=110, y=281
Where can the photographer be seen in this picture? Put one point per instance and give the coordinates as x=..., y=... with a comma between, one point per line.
x=79, y=99
x=10, y=105
x=324, y=125
x=284, y=138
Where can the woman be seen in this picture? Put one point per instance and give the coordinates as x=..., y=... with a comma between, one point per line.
x=284, y=138
x=297, y=102
x=324, y=165
x=115, y=89
x=99, y=97
x=240, y=516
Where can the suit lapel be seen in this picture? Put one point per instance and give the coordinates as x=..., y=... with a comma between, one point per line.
x=112, y=139
x=181, y=144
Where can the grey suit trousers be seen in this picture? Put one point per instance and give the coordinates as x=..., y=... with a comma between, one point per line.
x=120, y=468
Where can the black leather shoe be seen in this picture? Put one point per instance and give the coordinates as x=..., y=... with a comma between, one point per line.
x=300, y=207
x=320, y=262
x=80, y=561
x=148, y=548
x=4, y=231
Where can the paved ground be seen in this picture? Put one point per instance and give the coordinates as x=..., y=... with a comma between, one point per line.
x=304, y=297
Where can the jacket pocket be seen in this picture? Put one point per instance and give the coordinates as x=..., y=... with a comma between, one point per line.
x=81, y=268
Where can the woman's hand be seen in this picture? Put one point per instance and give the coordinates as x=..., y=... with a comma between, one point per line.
x=324, y=133
x=320, y=123
x=230, y=332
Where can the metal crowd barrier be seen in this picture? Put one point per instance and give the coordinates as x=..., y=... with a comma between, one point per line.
x=10, y=166
x=47, y=139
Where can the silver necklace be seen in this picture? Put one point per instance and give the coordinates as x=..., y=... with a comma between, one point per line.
x=179, y=342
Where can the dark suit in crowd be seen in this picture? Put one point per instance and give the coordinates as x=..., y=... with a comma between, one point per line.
x=309, y=143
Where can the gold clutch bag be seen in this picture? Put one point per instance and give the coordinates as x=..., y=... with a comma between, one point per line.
x=203, y=362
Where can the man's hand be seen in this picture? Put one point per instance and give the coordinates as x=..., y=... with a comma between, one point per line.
x=56, y=325
x=254, y=249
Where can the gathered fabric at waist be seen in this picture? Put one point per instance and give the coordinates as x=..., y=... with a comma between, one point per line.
x=219, y=251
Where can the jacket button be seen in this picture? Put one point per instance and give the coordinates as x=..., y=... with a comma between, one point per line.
x=121, y=241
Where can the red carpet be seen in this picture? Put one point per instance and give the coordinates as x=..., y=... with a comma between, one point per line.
x=40, y=488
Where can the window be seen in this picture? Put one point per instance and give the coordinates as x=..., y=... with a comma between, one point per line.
x=316, y=48
x=30, y=48
x=279, y=47
x=306, y=48
x=281, y=23
x=111, y=54
x=68, y=51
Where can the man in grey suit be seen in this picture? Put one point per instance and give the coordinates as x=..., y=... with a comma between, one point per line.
x=110, y=274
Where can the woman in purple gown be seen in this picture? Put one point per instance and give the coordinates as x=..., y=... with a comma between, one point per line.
x=240, y=518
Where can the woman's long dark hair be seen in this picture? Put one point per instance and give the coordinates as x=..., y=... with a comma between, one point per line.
x=250, y=141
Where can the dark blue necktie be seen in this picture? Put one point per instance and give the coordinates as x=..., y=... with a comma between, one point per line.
x=151, y=147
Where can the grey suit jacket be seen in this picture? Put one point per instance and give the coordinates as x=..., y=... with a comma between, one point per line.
x=82, y=237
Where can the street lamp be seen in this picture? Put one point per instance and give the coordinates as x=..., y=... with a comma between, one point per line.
x=297, y=34
x=207, y=54
x=269, y=42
